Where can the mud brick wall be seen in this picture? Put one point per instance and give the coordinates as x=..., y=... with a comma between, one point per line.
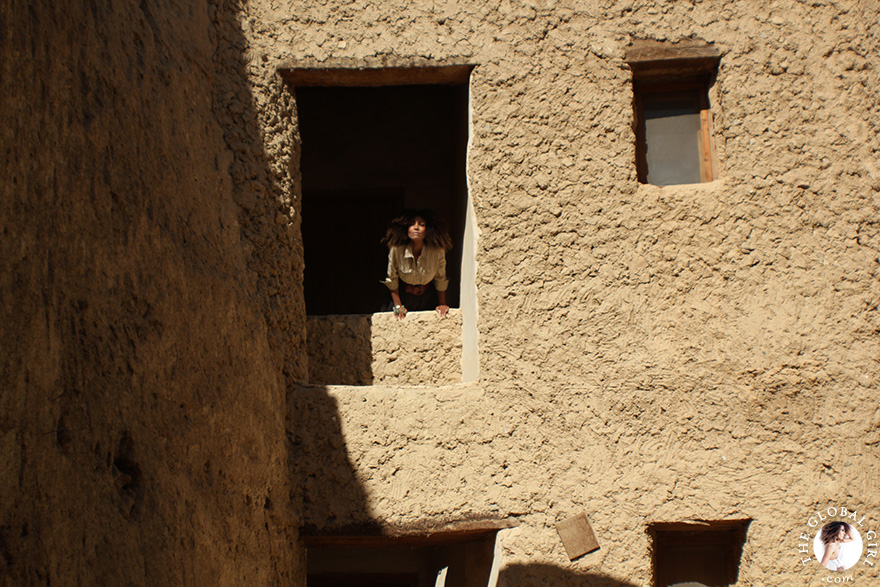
x=422, y=349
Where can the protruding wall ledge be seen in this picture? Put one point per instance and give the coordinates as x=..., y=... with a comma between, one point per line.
x=423, y=534
x=369, y=349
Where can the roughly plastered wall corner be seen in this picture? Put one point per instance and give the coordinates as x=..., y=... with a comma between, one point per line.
x=645, y=354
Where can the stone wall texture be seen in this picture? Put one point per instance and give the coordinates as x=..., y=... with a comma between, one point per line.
x=647, y=354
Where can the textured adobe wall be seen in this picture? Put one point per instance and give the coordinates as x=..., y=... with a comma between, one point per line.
x=647, y=354
x=143, y=411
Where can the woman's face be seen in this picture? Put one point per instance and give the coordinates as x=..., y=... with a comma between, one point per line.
x=841, y=535
x=417, y=229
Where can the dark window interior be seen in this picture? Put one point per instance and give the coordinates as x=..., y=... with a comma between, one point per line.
x=706, y=554
x=406, y=561
x=364, y=580
x=367, y=153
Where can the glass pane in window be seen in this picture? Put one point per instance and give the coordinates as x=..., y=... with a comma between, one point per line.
x=672, y=138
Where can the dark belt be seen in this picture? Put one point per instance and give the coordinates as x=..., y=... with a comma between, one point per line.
x=415, y=290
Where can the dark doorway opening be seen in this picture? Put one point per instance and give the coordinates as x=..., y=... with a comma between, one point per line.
x=361, y=580
x=461, y=554
x=368, y=152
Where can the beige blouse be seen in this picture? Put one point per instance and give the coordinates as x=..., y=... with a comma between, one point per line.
x=402, y=266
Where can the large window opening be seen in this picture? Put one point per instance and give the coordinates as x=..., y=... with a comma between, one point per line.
x=367, y=153
x=374, y=141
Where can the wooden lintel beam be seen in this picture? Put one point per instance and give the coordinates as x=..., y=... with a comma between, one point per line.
x=376, y=76
x=388, y=537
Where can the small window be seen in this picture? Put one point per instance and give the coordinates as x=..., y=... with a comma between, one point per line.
x=694, y=554
x=672, y=115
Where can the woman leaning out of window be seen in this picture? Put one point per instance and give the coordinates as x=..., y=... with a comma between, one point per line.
x=417, y=243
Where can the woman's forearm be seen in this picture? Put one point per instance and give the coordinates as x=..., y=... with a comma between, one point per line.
x=399, y=309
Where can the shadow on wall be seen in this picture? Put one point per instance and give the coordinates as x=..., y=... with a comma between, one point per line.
x=340, y=349
x=333, y=500
x=347, y=544
x=541, y=575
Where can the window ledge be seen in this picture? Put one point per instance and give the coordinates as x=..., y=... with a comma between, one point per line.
x=709, y=186
x=369, y=349
x=452, y=391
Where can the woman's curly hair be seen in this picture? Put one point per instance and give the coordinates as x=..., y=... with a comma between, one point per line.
x=831, y=530
x=436, y=234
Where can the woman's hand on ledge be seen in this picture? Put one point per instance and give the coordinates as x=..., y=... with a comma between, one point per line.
x=442, y=309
